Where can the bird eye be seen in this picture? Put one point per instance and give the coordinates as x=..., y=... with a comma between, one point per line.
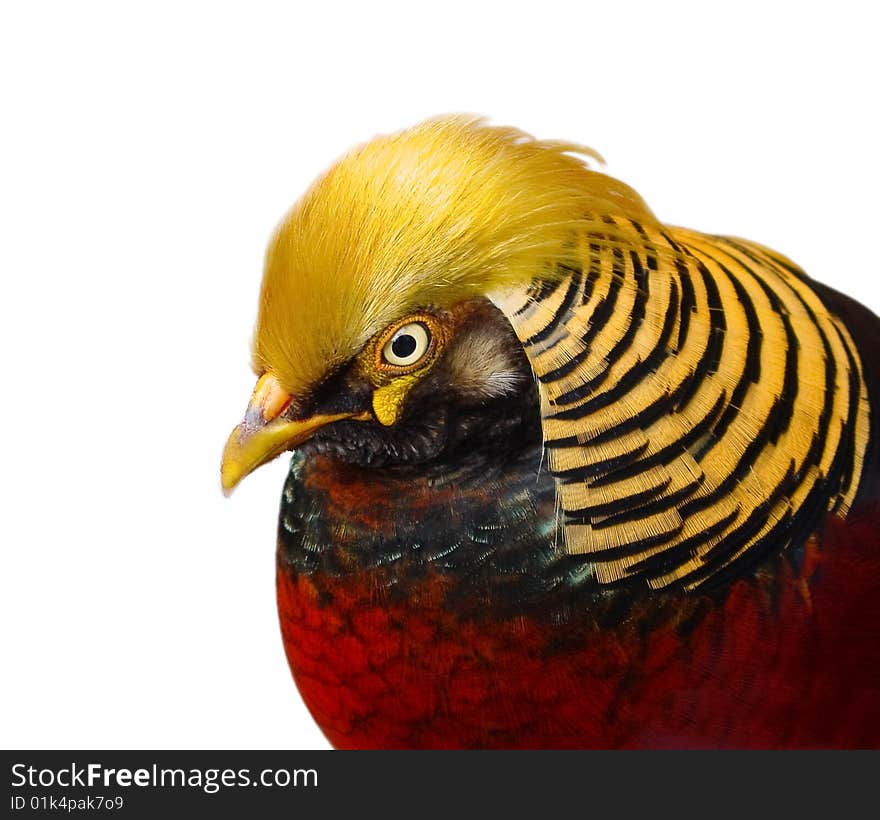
x=408, y=345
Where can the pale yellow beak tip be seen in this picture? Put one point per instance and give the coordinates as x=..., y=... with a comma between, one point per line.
x=231, y=471
x=229, y=479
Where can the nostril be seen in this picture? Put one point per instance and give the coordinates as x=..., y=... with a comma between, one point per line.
x=268, y=402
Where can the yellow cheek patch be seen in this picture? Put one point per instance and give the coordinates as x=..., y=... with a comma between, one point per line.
x=388, y=400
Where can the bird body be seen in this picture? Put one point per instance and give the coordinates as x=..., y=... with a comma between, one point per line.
x=564, y=476
x=779, y=661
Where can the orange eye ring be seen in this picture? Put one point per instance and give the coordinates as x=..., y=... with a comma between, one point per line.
x=408, y=345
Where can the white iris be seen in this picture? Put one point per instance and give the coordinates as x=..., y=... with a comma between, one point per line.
x=407, y=346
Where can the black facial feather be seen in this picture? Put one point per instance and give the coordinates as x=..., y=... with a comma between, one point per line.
x=478, y=403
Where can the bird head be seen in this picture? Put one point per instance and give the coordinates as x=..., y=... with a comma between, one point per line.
x=378, y=331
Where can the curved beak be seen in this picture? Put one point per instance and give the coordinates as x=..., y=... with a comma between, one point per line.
x=263, y=434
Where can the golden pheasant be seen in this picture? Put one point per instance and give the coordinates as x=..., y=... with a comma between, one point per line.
x=563, y=476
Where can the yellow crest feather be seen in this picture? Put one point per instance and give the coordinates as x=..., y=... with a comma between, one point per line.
x=447, y=210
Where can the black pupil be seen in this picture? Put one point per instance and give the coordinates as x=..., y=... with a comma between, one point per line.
x=403, y=346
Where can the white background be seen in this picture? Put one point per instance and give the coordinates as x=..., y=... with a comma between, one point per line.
x=146, y=156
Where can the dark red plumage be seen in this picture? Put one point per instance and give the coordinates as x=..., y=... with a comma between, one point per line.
x=787, y=659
